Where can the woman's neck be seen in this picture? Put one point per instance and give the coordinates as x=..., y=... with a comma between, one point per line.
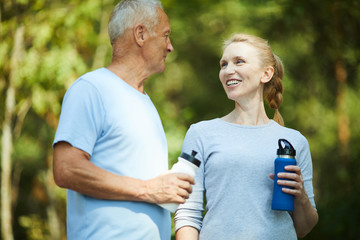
x=250, y=114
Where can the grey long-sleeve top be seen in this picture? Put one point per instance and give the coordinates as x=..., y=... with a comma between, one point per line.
x=234, y=178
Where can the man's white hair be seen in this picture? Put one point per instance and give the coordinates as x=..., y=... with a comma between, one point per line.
x=128, y=13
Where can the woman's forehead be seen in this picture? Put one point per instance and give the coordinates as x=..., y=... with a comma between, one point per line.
x=239, y=49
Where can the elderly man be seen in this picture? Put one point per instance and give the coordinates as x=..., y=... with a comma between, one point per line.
x=110, y=149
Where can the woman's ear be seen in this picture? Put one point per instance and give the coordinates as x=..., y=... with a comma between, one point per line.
x=268, y=74
x=139, y=32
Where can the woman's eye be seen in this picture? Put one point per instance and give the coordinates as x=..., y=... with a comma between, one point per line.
x=222, y=65
x=240, y=61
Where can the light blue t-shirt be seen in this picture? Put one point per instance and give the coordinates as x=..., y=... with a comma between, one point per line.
x=236, y=161
x=121, y=129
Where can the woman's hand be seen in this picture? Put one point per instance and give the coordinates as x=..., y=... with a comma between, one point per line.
x=304, y=216
x=293, y=179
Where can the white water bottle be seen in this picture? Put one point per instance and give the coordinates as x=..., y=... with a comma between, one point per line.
x=186, y=164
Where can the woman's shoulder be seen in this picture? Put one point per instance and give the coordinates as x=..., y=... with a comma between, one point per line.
x=205, y=124
x=293, y=134
x=205, y=128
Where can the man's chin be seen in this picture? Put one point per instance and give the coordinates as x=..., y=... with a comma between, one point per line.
x=158, y=69
x=161, y=69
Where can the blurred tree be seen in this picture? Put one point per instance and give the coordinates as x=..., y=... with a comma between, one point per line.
x=45, y=45
x=48, y=44
x=7, y=201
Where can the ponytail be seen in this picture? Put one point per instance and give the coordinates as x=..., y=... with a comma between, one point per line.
x=278, y=118
x=273, y=90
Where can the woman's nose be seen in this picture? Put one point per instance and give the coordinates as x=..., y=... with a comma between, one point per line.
x=230, y=69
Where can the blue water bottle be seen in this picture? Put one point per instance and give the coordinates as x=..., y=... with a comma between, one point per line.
x=286, y=156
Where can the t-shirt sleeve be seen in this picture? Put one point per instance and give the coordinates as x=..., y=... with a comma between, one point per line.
x=190, y=213
x=305, y=163
x=81, y=117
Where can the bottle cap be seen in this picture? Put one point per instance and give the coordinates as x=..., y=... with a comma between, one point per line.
x=191, y=158
x=287, y=150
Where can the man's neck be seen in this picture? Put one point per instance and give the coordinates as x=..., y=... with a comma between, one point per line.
x=131, y=72
x=128, y=64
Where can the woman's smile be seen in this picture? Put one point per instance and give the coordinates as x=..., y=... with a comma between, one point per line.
x=233, y=82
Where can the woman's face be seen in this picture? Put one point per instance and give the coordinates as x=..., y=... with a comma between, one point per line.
x=241, y=73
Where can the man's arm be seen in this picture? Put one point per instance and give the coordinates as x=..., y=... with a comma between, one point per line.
x=73, y=170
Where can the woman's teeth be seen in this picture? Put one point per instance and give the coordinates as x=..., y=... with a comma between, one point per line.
x=232, y=82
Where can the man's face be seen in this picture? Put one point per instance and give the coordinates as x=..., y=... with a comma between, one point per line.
x=159, y=45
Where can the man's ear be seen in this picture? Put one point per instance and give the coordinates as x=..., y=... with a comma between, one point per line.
x=140, y=32
x=268, y=74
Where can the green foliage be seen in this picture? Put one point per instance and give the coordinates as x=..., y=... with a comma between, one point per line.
x=36, y=227
x=62, y=40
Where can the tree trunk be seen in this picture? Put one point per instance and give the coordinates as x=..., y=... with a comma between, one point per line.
x=7, y=139
x=101, y=49
x=341, y=79
x=343, y=118
x=56, y=227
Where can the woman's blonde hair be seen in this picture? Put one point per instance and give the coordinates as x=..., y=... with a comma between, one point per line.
x=273, y=90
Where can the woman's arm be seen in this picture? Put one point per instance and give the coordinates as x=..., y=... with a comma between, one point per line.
x=304, y=216
x=187, y=233
x=188, y=217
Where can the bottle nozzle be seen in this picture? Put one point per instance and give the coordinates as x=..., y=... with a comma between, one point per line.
x=193, y=153
x=191, y=158
x=287, y=150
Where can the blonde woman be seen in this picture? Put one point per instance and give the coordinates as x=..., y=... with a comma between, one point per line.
x=238, y=151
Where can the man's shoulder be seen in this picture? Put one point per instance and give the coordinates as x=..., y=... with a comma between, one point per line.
x=100, y=79
x=94, y=75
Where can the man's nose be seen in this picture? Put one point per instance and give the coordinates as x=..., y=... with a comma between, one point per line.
x=170, y=47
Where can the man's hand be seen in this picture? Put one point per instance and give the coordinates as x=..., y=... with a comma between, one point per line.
x=73, y=170
x=169, y=188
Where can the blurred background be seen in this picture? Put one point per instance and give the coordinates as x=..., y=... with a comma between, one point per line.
x=45, y=45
